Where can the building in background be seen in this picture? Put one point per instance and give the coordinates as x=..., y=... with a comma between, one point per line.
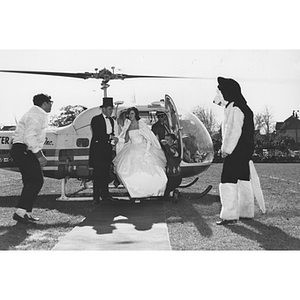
x=290, y=127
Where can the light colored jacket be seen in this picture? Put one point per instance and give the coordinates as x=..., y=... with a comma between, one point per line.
x=231, y=128
x=31, y=129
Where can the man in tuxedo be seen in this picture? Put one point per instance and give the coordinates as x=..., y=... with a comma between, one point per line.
x=103, y=129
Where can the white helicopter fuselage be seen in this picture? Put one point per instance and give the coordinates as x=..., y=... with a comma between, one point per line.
x=67, y=148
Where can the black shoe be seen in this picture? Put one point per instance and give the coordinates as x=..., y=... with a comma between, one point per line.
x=175, y=196
x=226, y=222
x=23, y=220
x=96, y=201
x=34, y=219
x=108, y=199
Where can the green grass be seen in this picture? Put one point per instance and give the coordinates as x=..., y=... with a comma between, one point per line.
x=192, y=225
x=191, y=222
x=57, y=217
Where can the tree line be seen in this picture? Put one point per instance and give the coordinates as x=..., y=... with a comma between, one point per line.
x=269, y=146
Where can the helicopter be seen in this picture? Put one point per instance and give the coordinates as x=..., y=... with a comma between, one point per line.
x=67, y=148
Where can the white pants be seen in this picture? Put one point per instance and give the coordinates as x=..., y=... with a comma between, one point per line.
x=237, y=200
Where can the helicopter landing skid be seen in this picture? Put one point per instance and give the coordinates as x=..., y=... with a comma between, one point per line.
x=63, y=196
x=206, y=191
x=189, y=184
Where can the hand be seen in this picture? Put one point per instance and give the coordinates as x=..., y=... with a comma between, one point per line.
x=42, y=161
x=126, y=124
x=224, y=154
x=115, y=139
x=41, y=158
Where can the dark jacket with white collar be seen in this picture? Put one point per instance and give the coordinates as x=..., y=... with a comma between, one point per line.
x=100, y=147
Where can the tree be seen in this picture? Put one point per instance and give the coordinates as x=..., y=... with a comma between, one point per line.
x=264, y=122
x=258, y=121
x=67, y=115
x=207, y=117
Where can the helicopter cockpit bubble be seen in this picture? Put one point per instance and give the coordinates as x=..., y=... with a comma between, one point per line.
x=197, y=143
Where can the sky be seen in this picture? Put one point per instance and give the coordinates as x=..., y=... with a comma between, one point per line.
x=269, y=78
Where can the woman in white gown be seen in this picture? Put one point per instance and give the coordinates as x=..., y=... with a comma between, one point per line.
x=140, y=162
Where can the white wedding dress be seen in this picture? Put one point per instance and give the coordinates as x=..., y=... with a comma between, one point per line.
x=140, y=163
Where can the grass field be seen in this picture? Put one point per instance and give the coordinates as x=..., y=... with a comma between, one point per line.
x=191, y=222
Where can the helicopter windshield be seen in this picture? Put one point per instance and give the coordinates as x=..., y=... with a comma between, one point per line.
x=197, y=143
x=148, y=116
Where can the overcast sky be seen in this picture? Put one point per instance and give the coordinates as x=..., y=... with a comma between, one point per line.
x=77, y=38
x=269, y=78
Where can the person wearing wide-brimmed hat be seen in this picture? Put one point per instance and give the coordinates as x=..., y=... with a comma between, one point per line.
x=160, y=128
x=103, y=129
x=239, y=180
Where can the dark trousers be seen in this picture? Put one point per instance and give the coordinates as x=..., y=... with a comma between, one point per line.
x=101, y=181
x=235, y=167
x=32, y=175
x=172, y=184
x=102, y=159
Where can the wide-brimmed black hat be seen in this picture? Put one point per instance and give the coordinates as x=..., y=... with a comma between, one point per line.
x=107, y=101
x=231, y=90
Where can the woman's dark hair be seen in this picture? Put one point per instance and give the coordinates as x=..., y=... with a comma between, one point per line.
x=137, y=114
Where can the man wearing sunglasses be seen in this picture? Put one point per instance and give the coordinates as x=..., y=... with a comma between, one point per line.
x=160, y=128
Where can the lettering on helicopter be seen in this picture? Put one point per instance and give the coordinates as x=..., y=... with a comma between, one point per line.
x=4, y=140
x=48, y=142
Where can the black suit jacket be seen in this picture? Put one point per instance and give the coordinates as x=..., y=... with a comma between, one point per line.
x=159, y=129
x=100, y=147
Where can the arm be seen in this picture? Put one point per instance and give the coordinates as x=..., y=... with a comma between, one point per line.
x=172, y=150
x=148, y=135
x=34, y=133
x=123, y=136
x=232, y=130
x=32, y=129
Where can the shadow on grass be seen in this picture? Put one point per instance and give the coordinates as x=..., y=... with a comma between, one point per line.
x=269, y=237
x=186, y=211
x=142, y=216
x=74, y=207
x=12, y=236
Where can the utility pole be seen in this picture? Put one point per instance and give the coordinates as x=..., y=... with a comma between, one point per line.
x=295, y=115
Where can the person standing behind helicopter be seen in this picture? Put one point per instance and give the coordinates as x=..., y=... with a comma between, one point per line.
x=160, y=128
x=103, y=129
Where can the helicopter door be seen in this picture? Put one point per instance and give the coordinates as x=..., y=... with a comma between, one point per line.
x=173, y=119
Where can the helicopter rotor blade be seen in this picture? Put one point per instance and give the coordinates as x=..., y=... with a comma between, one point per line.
x=85, y=75
x=103, y=74
x=126, y=76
